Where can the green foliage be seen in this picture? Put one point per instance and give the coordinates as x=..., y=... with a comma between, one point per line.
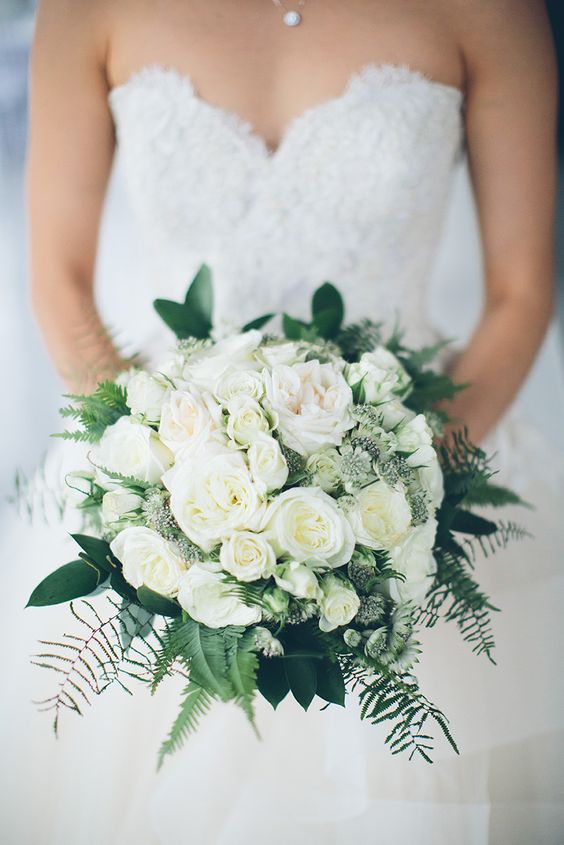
x=88, y=662
x=327, y=312
x=243, y=667
x=302, y=679
x=484, y=493
x=193, y=317
x=258, y=323
x=71, y=581
x=95, y=412
x=397, y=697
x=196, y=702
x=156, y=603
x=330, y=682
x=272, y=682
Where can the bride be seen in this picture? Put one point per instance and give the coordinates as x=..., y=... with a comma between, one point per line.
x=285, y=145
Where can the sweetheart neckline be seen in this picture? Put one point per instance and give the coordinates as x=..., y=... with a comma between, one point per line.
x=383, y=72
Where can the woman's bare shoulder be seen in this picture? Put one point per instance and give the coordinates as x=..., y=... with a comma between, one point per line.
x=73, y=27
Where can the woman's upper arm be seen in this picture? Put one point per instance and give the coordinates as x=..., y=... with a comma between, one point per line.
x=511, y=122
x=71, y=141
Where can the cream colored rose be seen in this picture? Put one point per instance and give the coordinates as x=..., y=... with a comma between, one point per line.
x=414, y=559
x=149, y=560
x=415, y=439
x=212, y=494
x=132, y=449
x=146, y=394
x=206, y=597
x=189, y=420
x=274, y=354
x=304, y=523
x=246, y=420
x=381, y=516
x=339, y=603
x=119, y=504
x=247, y=556
x=267, y=463
x=298, y=580
x=431, y=479
x=381, y=374
x=313, y=404
x=324, y=468
x=207, y=368
x=237, y=383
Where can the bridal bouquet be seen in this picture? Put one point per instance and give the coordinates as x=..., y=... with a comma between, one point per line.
x=271, y=515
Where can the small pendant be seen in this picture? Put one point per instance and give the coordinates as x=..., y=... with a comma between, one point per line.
x=292, y=18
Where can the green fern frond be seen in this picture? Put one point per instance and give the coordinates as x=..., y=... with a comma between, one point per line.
x=243, y=668
x=95, y=412
x=195, y=704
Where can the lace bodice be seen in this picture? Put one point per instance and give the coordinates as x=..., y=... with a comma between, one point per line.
x=354, y=194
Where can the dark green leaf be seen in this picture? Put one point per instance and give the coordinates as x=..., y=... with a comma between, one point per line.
x=302, y=679
x=258, y=323
x=328, y=299
x=122, y=588
x=71, y=581
x=156, y=603
x=193, y=317
x=469, y=523
x=330, y=682
x=493, y=495
x=293, y=329
x=97, y=550
x=200, y=295
x=272, y=682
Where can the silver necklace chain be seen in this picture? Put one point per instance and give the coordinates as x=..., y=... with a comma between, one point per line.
x=291, y=17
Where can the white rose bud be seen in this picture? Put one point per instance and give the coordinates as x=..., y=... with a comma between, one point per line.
x=312, y=402
x=206, y=597
x=189, y=420
x=246, y=420
x=414, y=559
x=146, y=394
x=381, y=516
x=149, y=560
x=298, y=580
x=132, y=449
x=304, y=523
x=267, y=463
x=394, y=414
x=119, y=504
x=274, y=354
x=247, y=556
x=324, y=468
x=339, y=603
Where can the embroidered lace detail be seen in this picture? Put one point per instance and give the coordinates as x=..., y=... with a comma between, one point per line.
x=354, y=193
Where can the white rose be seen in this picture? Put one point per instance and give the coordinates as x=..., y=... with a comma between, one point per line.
x=304, y=523
x=132, y=449
x=394, y=414
x=206, y=369
x=149, y=560
x=206, y=597
x=267, y=463
x=273, y=355
x=324, y=468
x=431, y=479
x=146, y=394
x=381, y=374
x=414, y=559
x=339, y=603
x=298, y=580
x=415, y=439
x=313, y=404
x=236, y=382
x=119, y=504
x=380, y=516
x=247, y=556
x=189, y=420
x=246, y=420
x=212, y=494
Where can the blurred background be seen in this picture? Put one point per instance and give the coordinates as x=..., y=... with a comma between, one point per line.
x=28, y=378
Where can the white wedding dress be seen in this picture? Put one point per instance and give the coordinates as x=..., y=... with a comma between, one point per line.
x=356, y=193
